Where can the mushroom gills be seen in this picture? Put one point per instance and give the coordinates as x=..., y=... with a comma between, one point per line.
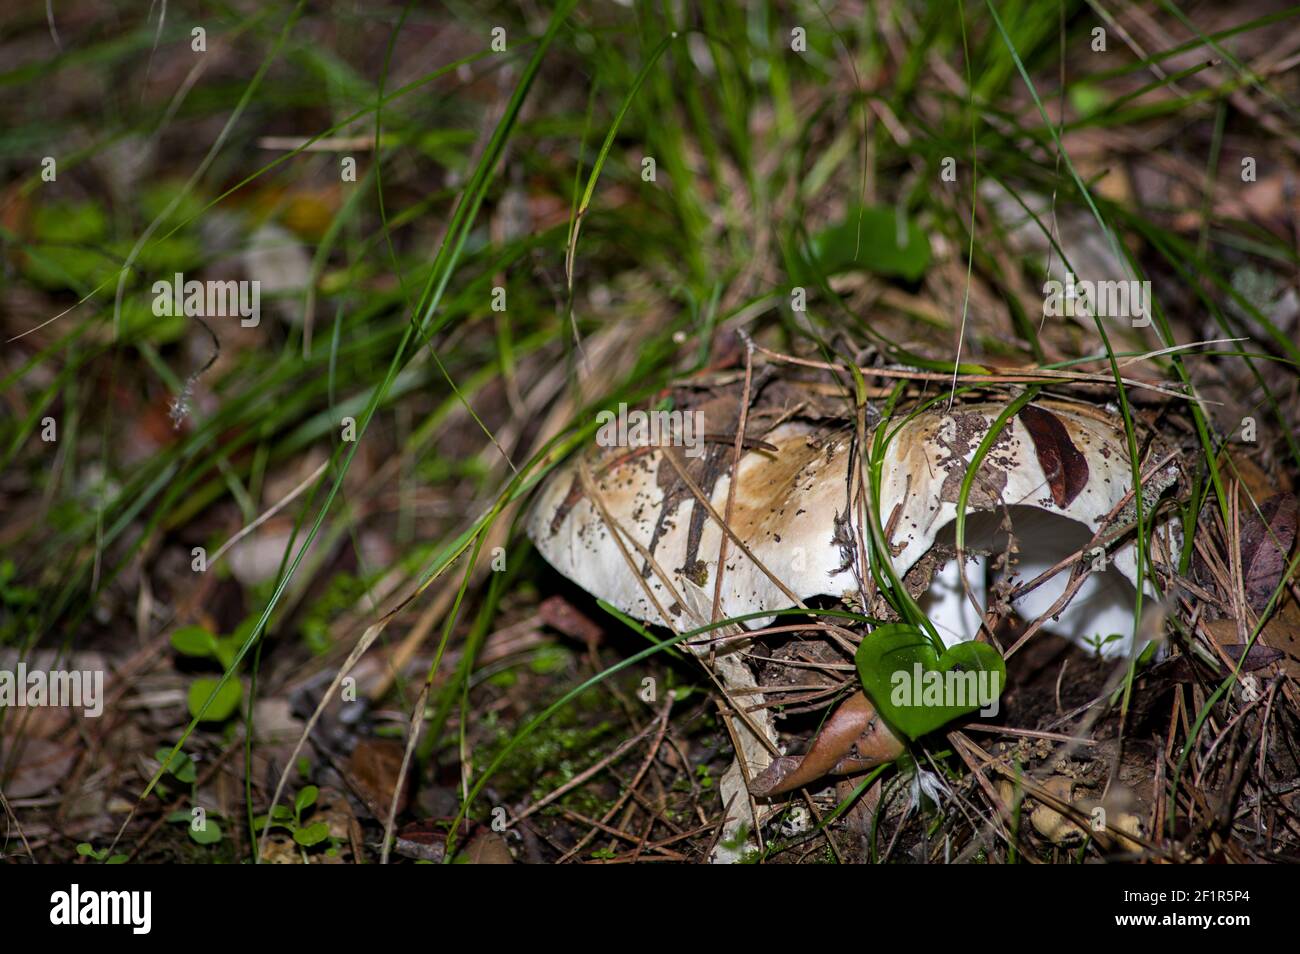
x=1099, y=617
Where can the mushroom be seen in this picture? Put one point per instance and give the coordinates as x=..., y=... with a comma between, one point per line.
x=1057, y=480
x=629, y=526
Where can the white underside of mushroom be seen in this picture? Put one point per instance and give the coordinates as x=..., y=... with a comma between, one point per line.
x=1099, y=617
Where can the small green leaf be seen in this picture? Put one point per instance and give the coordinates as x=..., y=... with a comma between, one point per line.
x=868, y=240
x=222, y=707
x=306, y=799
x=312, y=834
x=1087, y=98
x=226, y=649
x=228, y=646
x=194, y=641
x=548, y=659
x=915, y=689
x=181, y=767
x=209, y=834
x=116, y=860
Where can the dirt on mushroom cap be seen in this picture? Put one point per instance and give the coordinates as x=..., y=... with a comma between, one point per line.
x=792, y=510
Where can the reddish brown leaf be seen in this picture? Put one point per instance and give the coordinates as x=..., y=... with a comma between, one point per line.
x=1065, y=468
x=373, y=771
x=559, y=613
x=39, y=766
x=488, y=848
x=1257, y=658
x=852, y=740
x=1266, y=541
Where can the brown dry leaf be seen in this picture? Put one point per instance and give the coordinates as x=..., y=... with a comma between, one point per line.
x=854, y=725
x=38, y=765
x=1255, y=483
x=1064, y=467
x=1281, y=635
x=560, y=614
x=373, y=770
x=489, y=848
x=1266, y=541
x=1257, y=657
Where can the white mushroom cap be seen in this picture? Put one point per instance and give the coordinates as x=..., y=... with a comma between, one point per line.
x=785, y=510
x=929, y=458
x=792, y=510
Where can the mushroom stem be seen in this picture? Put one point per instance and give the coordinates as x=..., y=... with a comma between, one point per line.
x=853, y=739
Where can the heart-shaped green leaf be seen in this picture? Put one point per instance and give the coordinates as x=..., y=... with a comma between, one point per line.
x=917, y=690
x=181, y=765
x=209, y=833
x=222, y=707
x=873, y=239
x=194, y=641
x=312, y=834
